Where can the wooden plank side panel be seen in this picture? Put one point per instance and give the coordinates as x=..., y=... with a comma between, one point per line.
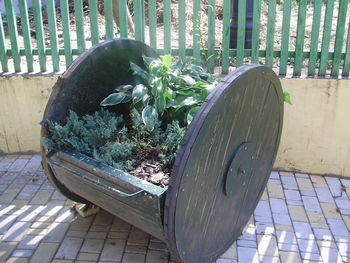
x=152, y=20
x=182, y=29
x=167, y=26
x=79, y=23
x=211, y=35
x=26, y=34
x=299, y=46
x=242, y=6
x=346, y=68
x=108, y=11
x=3, y=55
x=51, y=13
x=123, y=19
x=256, y=31
x=316, y=20
x=66, y=32
x=39, y=31
x=197, y=29
x=287, y=8
x=270, y=33
x=94, y=22
x=225, y=56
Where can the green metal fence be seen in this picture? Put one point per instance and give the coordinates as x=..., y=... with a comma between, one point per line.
x=295, y=37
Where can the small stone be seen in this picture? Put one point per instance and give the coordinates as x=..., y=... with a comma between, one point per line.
x=156, y=178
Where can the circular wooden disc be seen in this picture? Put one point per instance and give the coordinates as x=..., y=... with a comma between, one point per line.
x=223, y=164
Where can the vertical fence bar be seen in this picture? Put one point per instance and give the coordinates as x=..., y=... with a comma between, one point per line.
x=12, y=25
x=3, y=56
x=316, y=20
x=197, y=29
x=326, y=37
x=66, y=32
x=123, y=18
x=270, y=32
x=51, y=13
x=299, y=44
x=108, y=11
x=93, y=22
x=338, y=46
x=225, y=59
x=242, y=7
x=182, y=29
x=152, y=20
x=256, y=31
x=167, y=26
x=346, y=68
x=79, y=23
x=26, y=34
x=287, y=8
x=39, y=31
x=139, y=20
x=211, y=35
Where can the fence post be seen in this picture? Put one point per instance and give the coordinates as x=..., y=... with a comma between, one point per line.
x=248, y=25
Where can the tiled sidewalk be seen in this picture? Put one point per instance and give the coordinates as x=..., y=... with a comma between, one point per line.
x=300, y=218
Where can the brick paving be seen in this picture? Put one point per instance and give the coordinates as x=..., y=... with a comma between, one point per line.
x=300, y=218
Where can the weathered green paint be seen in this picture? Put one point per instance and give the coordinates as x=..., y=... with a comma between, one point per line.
x=26, y=34
x=299, y=45
x=225, y=59
x=211, y=35
x=287, y=7
x=339, y=37
x=316, y=20
x=327, y=27
x=93, y=22
x=256, y=31
x=123, y=19
x=346, y=68
x=182, y=29
x=51, y=11
x=79, y=23
x=39, y=31
x=12, y=24
x=108, y=10
x=196, y=20
x=66, y=32
x=3, y=56
x=270, y=35
x=242, y=7
x=139, y=7
x=152, y=20
x=167, y=26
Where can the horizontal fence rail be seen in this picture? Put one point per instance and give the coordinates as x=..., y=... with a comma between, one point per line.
x=303, y=37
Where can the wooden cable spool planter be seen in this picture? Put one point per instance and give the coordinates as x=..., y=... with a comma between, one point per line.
x=220, y=171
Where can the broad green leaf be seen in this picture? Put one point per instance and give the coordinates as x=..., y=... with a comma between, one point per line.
x=139, y=71
x=113, y=99
x=127, y=98
x=166, y=59
x=138, y=93
x=188, y=79
x=161, y=104
x=124, y=88
x=192, y=112
x=148, y=60
x=149, y=117
x=181, y=101
x=286, y=97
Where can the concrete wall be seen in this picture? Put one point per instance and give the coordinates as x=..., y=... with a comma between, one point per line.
x=315, y=139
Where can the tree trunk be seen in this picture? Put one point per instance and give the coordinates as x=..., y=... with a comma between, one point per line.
x=116, y=16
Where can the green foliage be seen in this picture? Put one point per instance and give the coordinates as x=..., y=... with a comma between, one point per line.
x=286, y=97
x=168, y=91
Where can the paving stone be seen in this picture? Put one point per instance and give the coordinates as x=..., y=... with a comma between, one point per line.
x=22, y=253
x=76, y=233
x=323, y=234
x=138, y=238
x=275, y=190
x=334, y=186
x=247, y=255
x=9, y=195
x=303, y=230
x=96, y=235
x=133, y=258
x=51, y=209
x=81, y=223
x=231, y=253
x=248, y=234
x=113, y=250
x=268, y=259
x=287, y=247
x=308, y=193
x=274, y=175
x=103, y=218
x=30, y=242
x=318, y=181
x=263, y=209
x=158, y=246
x=282, y=219
x=313, y=257
x=4, y=166
x=330, y=255
x=18, y=165
x=140, y=249
x=308, y=245
x=6, y=249
x=330, y=210
x=317, y=220
x=17, y=260
x=326, y=243
x=344, y=249
x=99, y=228
x=289, y=182
x=305, y=184
x=69, y=261
x=311, y=204
x=6, y=222
x=119, y=235
x=246, y=243
x=346, y=220
x=297, y=213
x=338, y=227
x=33, y=165
x=28, y=192
x=342, y=204
x=324, y=195
x=9, y=176
x=264, y=228
x=264, y=196
x=286, y=237
x=16, y=232
x=283, y=227
x=292, y=195
x=56, y=232
x=157, y=257
x=44, y=253
x=263, y=219
x=120, y=225
x=92, y=246
x=225, y=260
x=41, y=197
x=267, y=245
x=88, y=256
x=301, y=175
x=278, y=206
x=69, y=248
x=65, y=215
x=290, y=257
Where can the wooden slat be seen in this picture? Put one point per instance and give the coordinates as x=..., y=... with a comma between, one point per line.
x=197, y=29
x=339, y=39
x=39, y=32
x=287, y=7
x=346, y=68
x=51, y=13
x=256, y=32
x=79, y=23
x=270, y=32
x=225, y=59
x=108, y=11
x=139, y=20
x=211, y=35
x=299, y=45
x=152, y=20
x=167, y=26
x=12, y=25
x=315, y=36
x=3, y=56
x=26, y=34
x=326, y=37
x=123, y=18
x=94, y=22
x=242, y=6
x=66, y=32
x=182, y=29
